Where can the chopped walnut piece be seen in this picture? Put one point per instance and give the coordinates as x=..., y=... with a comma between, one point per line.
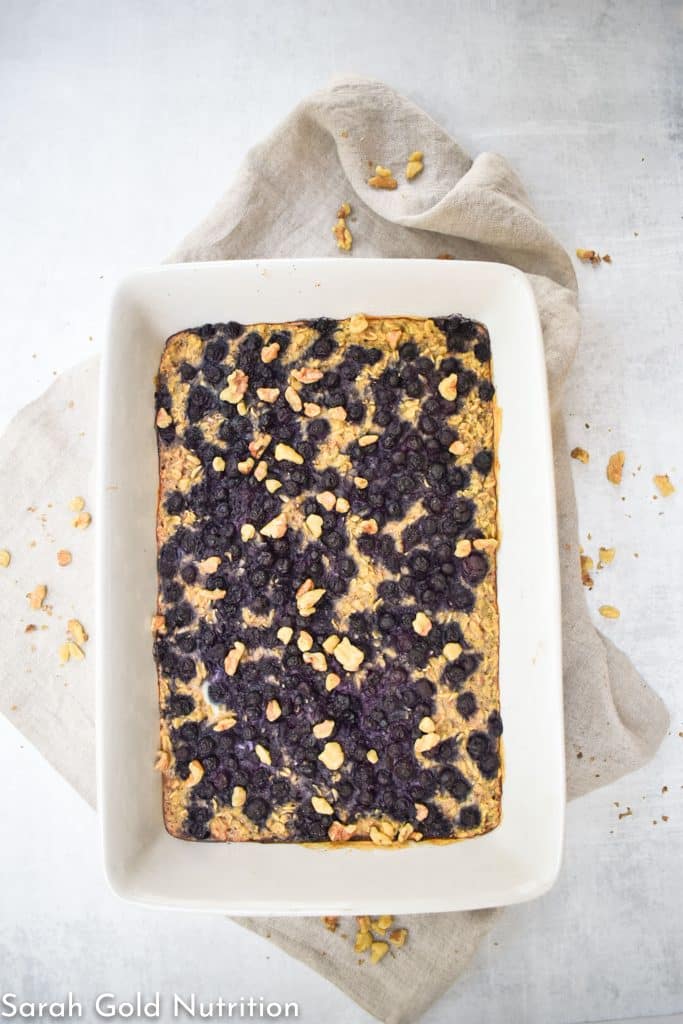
x=487, y=544
x=276, y=528
x=337, y=413
x=342, y=506
x=448, y=387
x=76, y=631
x=323, y=730
x=457, y=448
x=163, y=761
x=218, y=464
x=82, y=521
x=382, y=178
x=196, y=772
x=283, y=453
x=239, y=797
x=422, y=624
x=332, y=681
x=348, y=656
x=405, y=832
x=362, y=942
x=452, y=651
x=261, y=471
x=321, y=805
x=378, y=837
x=463, y=548
x=64, y=653
x=307, y=585
x=332, y=756
x=233, y=658
x=360, y=482
x=163, y=419
x=269, y=395
x=5, y=558
x=270, y=352
x=314, y=525
x=588, y=256
x=606, y=556
x=331, y=642
x=427, y=741
x=331, y=923
x=415, y=165
x=426, y=724
x=293, y=399
x=37, y=596
x=272, y=485
x=378, y=950
x=615, y=467
x=372, y=756
x=340, y=833
x=259, y=444
x=421, y=811
x=247, y=532
x=238, y=382
x=341, y=231
x=586, y=563
x=580, y=454
x=77, y=504
x=382, y=923
x=312, y=409
x=367, y=439
x=227, y=722
x=209, y=565
x=307, y=375
x=285, y=634
x=273, y=710
x=663, y=485
x=608, y=611
x=398, y=936
x=307, y=602
x=317, y=661
x=327, y=500
x=245, y=466
x=304, y=641
x=263, y=754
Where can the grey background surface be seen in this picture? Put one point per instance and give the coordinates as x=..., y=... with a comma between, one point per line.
x=121, y=123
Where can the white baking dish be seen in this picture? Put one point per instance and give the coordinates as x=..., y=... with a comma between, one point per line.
x=518, y=860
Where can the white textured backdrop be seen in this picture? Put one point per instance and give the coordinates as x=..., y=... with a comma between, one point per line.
x=120, y=125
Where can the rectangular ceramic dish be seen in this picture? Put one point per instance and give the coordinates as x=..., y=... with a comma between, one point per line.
x=518, y=860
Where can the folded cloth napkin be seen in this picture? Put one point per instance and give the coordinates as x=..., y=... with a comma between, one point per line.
x=283, y=204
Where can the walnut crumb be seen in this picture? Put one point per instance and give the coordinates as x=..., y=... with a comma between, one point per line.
x=341, y=231
x=63, y=557
x=606, y=556
x=77, y=632
x=37, y=596
x=608, y=611
x=77, y=504
x=332, y=756
x=588, y=256
x=586, y=563
x=378, y=950
x=331, y=923
x=82, y=521
x=615, y=467
x=580, y=454
x=422, y=624
x=663, y=485
x=5, y=558
x=383, y=178
x=415, y=164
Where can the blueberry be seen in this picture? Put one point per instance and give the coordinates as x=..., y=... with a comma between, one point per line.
x=318, y=430
x=197, y=829
x=355, y=411
x=173, y=592
x=482, y=350
x=495, y=724
x=189, y=573
x=478, y=744
x=428, y=424
x=323, y=347
x=180, y=705
x=383, y=417
x=408, y=351
x=329, y=479
x=489, y=764
x=466, y=704
x=213, y=374
x=473, y=568
x=436, y=471
x=186, y=669
x=216, y=351
x=486, y=391
x=470, y=817
x=334, y=541
x=483, y=461
x=187, y=372
x=175, y=503
x=199, y=402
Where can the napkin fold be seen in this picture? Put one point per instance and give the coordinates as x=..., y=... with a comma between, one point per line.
x=284, y=203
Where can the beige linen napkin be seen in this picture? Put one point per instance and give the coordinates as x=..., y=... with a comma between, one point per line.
x=283, y=204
